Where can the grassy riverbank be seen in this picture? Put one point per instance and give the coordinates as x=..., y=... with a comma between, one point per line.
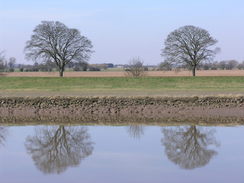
x=36, y=86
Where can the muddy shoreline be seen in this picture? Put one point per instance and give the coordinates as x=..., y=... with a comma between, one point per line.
x=122, y=110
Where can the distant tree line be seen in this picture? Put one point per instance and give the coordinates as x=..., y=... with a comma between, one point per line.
x=135, y=68
x=48, y=66
x=217, y=65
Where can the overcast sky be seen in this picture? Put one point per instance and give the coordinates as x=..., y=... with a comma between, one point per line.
x=120, y=30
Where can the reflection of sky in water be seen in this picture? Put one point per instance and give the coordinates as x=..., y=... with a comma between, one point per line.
x=119, y=157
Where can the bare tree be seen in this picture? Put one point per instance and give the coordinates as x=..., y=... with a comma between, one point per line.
x=11, y=64
x=232, y=64
x=135, y=68
x=2, y=57
x=54, y=41
x=2, y=61
x=222, y=65
x=189, y=45
x=54, y=149
x=240, y=65
x=188, y=146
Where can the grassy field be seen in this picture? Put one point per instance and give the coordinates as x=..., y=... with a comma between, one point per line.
x=121, y=86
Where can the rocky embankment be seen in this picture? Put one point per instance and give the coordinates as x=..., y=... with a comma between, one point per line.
x=119, y=110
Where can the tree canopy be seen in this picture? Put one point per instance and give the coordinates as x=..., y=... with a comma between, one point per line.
x=189, y=45
x=54, y=41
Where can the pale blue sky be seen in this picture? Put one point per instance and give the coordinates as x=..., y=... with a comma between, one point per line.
x=120, y=30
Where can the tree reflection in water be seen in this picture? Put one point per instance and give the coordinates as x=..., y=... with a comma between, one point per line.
x=3, y=134
x=136, y=131
x=188, y=146
x=54, y=149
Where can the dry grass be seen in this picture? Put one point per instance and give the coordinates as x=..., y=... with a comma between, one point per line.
x=123, y=74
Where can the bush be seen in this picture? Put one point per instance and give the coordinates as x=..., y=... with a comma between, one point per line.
x=135, y=68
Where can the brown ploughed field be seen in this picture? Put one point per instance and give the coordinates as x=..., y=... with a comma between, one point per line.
x=123, y=74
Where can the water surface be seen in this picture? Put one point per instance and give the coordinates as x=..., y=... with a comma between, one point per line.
x=121, y=154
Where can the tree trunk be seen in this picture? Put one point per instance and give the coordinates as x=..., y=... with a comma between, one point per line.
x=61, y=72
x=194, y=71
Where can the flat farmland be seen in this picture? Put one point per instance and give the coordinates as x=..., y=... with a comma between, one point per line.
x=122, y=86
x=123, y=74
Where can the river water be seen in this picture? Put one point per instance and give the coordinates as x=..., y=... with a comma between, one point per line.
x=131, y=154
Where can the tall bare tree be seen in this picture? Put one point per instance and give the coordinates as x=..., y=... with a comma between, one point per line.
x=189, y=45
x=54, y=41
